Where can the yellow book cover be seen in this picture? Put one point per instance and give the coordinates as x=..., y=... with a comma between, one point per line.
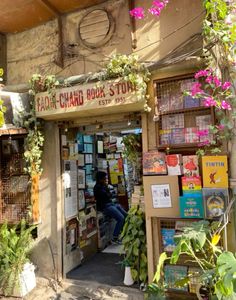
x=215, y=171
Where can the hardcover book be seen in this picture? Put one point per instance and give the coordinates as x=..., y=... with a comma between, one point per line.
x=172, y=274
x=190, y=102
x=215, y=201
x=174, y=164
x=215, y=171
x=191, y=184
x=168, y=239
x=203, y=122
x=191, y=135
x=176, y=101
x=190, y=165
x=191, y=206
x=177, y=136
x=154, y=163
x=163, y=103
x=173, y=121
x=165, y=136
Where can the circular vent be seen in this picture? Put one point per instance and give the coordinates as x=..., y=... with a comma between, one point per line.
x=96, y=28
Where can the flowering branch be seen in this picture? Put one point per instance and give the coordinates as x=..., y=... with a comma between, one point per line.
x=155, y=9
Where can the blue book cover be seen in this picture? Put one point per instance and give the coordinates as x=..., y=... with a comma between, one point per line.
x=191, y=206
x=168, y=239
x=172, y=274
x=190, y=102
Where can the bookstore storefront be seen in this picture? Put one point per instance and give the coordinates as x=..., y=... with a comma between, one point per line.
x=92, y=122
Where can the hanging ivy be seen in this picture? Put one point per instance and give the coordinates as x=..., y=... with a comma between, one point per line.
x=129, y=69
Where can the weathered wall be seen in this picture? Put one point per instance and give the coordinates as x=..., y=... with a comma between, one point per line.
x=156, y=37
x=37, y=51
x=47, y=250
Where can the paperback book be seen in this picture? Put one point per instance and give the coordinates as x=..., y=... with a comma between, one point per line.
x=172, y=274
x=154, y=163
x=174, y=164
x=191, y=184
x=190, y=165
x=215, y=201
x=191, y=206
x=168, y=239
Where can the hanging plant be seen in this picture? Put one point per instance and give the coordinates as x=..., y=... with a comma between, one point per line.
x=129, y=69
x=132, y=147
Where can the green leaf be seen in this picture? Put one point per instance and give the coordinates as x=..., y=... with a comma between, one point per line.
x=163, y=257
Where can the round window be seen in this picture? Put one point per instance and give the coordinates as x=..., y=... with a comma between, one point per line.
x=96, y=28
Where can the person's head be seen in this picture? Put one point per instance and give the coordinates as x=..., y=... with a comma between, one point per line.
x=101, y=177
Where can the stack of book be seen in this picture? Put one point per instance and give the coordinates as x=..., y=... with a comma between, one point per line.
x=137, y=197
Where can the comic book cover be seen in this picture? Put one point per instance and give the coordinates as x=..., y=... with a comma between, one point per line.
x=190, y=165
x=215, y=201
x=215, y=171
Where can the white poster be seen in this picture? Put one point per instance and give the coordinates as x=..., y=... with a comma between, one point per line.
x=70, y=188
x=161, y=195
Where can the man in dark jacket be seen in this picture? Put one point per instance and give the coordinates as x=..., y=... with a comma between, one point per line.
x=105, y=204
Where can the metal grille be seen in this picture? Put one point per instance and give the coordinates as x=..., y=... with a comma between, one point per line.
x=15, y=188
x=180, y=116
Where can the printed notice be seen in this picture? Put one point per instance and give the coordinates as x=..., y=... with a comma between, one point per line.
x=161, y=196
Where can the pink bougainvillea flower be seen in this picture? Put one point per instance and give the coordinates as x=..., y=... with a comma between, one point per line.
x=216, y=81
x=226, y=85
x=155, y=11
x=209, y=101
x=201, y=73
x=137, y=12
x=158, y=4
x=203, y=132
x=225, y=105
x=196, y=89
x=209, y=79
x=204, y=143
x=221, y=127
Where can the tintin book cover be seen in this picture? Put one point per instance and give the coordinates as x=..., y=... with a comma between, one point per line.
x=215, y=171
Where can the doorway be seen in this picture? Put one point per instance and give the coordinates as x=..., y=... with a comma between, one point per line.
x=89, y=254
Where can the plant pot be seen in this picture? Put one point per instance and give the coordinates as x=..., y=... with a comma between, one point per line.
x=128, y=280
x=27, y=281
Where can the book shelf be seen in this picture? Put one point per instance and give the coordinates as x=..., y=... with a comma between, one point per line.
x=184, y=265
x=180, y=116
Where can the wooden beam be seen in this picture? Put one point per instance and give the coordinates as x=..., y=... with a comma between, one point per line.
x=50, y=7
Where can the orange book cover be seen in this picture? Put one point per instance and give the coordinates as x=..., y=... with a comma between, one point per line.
x=215, y=171
x=154, y=163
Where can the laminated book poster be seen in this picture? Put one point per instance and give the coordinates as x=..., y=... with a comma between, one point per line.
x=190, y=165
x=215, y=171
x=154, y=163
x=215, y=201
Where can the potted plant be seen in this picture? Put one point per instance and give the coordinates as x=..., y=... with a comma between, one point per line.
x=134, y=243
x=16, y=273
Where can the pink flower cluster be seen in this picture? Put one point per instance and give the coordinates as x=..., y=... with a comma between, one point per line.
x=215, y=83
x=156, y=9
x=137, y=12
x=203, y=132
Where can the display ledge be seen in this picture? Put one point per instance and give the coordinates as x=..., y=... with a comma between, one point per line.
x=183, y=110
x=179, y=146
x=175, y=295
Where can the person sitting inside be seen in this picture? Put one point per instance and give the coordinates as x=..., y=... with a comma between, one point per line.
x=106, y=206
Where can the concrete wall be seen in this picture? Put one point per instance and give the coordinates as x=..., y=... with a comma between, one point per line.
x=156, y=37
x=47, y=250
x=37, y=51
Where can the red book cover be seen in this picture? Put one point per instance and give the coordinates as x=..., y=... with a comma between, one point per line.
x=174, y=164
x=190, y=165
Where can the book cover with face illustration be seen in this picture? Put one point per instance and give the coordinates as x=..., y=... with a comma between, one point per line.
x=215, y=171
x=215, y=201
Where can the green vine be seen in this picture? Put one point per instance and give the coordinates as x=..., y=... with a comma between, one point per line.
x=134, y=243
x=129, y=69
x=2, y=107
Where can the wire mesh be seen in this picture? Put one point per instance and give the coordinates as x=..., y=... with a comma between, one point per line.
x=15, y=188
